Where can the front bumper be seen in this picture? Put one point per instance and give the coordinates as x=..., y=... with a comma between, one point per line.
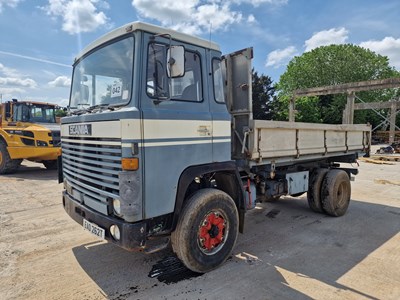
x=34, y=153
x=133, y=235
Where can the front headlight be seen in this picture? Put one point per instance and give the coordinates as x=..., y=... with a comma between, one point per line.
x=41, y=143
x=67, y=187
x=114, y=230
x=117, y=206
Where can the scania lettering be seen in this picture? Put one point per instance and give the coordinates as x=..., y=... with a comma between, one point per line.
x=80, y=129
x=160, y=147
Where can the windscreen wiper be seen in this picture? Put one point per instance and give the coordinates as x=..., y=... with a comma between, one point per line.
x=77, y=112
x=90, y=109
x=99, y=107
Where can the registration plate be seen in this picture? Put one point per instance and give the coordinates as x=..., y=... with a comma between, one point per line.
x=93, y=229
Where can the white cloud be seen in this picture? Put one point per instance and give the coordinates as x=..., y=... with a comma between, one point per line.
x=61, y=81
x=10, y=3
x=389, y=47
x=10, y=93
x=327, y=37
x=251, y=19
x=259, y=2
x=78, y=15
x=167, y=10
x=280, y=57
x=9, y=72
x=11, y=78
x=60, y=101
x=195, y=16
x=10, y=81
x=219, y=15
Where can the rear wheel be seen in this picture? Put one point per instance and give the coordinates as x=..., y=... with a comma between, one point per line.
x=314, y=190
x=336, y=192
x=207, y=230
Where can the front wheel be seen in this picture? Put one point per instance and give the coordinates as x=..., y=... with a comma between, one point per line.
x=206, y=231
x=7, y=165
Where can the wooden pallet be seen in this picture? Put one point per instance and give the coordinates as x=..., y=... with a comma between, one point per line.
x=386, y=157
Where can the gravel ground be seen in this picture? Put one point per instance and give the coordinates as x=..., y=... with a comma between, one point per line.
x=287, y=251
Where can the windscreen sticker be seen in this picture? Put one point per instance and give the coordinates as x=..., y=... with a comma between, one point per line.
x=116, y=90
x=125, y=94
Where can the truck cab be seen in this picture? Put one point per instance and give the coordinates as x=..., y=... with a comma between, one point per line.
x=148, y=125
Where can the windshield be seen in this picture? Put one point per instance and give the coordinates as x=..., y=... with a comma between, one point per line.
x=34, y=113
x=104, y=77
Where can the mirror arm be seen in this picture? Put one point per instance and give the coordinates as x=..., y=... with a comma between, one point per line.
x=160, y=99
x=167, y=35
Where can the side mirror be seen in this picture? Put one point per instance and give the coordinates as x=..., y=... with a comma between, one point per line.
x=176, y=61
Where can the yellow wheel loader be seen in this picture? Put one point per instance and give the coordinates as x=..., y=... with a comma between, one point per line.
x=28, y=130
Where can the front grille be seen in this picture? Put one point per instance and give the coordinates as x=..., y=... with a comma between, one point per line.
x=28, y=142
x=91, y=166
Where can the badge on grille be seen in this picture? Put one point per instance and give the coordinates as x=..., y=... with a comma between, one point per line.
x=80, y=129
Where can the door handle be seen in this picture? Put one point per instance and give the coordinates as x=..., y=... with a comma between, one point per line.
x=203, y=130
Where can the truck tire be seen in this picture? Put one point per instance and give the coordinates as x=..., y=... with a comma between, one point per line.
x=314, y=190
x=206, y=231
x=17, y=162
x=7, y=165
x=50, y=164
x=336, y=192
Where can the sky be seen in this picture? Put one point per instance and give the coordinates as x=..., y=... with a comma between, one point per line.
x=39, y=39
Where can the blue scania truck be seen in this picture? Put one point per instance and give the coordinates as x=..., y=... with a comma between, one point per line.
x=160, y=147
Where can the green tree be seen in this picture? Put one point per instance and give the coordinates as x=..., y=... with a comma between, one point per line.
x=60, y=112
x=263, y=95
x=331, y=65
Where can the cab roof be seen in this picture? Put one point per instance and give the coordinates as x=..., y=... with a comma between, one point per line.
x=140, y=26
x=33, y=102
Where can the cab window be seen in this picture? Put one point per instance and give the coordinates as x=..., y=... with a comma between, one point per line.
x=188, y=87
x=218, y=83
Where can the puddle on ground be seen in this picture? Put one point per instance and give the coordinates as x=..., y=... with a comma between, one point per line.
x=171, y=270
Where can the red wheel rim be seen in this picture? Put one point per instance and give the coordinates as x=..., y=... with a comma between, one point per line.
x=212, y=231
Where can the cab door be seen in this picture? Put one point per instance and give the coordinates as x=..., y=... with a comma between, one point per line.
x=177, y=124
x=238, y=80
